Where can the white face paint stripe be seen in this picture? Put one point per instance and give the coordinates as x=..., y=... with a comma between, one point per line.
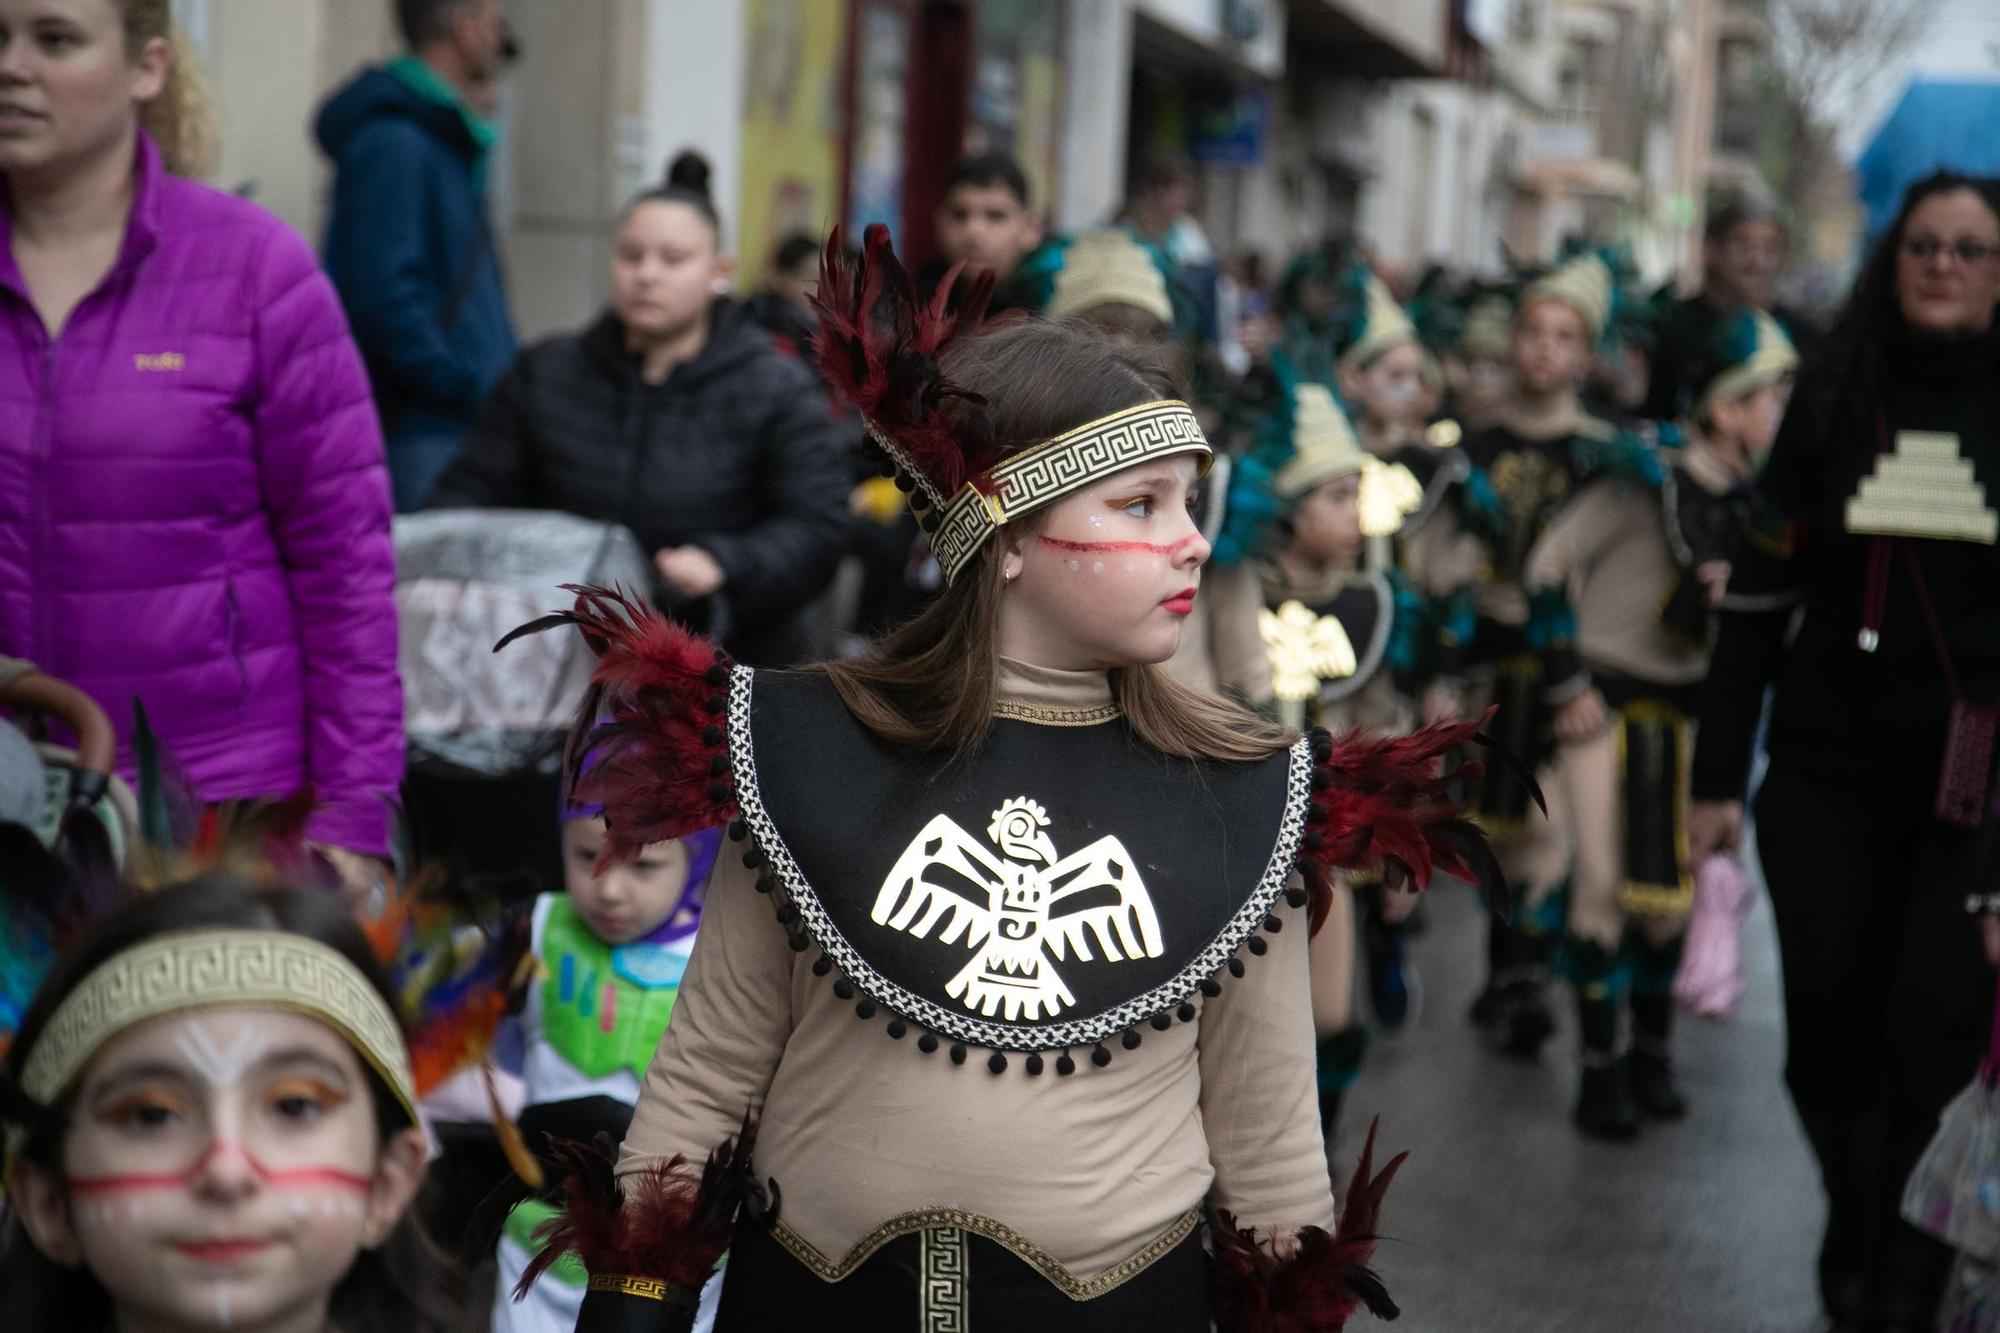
x=221, y=1068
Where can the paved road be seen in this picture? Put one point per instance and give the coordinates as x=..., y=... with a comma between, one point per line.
x=1507, y=1222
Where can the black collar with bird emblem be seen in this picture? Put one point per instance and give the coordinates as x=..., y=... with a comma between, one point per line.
x=1061, y=889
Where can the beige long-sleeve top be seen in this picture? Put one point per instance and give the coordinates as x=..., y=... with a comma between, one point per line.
x=858, y=1129
x=1608, y=550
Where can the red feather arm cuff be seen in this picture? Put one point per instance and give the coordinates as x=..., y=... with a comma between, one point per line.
x=1324, y=1281
x=650, y=745
x=650, y=1251
x=1387, y=803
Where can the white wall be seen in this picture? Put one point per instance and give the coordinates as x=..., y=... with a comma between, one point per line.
x=1097, y=106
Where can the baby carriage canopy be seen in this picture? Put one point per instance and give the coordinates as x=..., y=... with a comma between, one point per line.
x=465, y=577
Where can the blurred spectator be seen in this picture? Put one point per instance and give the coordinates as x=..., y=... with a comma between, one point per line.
x=784, y=308
x=988, y=223
x=1743, y=251
x=1161, y=214
x=409, y=243
x=673, y=415
x=191, y=475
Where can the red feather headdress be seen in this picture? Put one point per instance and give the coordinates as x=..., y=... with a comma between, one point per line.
x=878, y=348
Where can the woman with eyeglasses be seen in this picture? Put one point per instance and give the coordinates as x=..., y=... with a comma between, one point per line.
x=1879, y=632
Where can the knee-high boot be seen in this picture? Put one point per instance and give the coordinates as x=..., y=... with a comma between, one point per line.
x=1653, y=970
x=1604, y=1106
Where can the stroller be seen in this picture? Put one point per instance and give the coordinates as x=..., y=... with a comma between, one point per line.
x=64, y=816
x=486, y=729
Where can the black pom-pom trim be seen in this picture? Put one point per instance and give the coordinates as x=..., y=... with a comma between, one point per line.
x=928, y=1043
x=1274, y=924
x=1235, y=967
x=1161, y=1022
x=822, y=965
x=905, y=483
x=800, y=943
x=843, y=989
x=864, y=1008
x=1034, y=1064
x=1258, y=945
x=1315, y=813
x=958, y=1052
x=1297, y=896
x=1186, y=1013
x=1099, y=1056
x=715, y=703
x=1321, y=779
x=753, y=859
x=897, y=1029
x=1130, y=1041
x=787, y=913
x=997, y=1063
x=720, y=791
x=1211, y=988
x=1064, y=1065
x=718, y=766
x=714, y=736
x=1322, y=744
x=1313, y=842
x=718, y=674
x=738, y=830
x=766, y=884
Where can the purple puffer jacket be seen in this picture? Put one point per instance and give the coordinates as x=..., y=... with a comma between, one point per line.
x=194, y=508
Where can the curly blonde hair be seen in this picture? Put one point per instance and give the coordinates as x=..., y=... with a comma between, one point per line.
x=182, y=118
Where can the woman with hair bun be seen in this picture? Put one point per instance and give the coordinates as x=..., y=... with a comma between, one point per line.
x=675, y=416
x=192, y=487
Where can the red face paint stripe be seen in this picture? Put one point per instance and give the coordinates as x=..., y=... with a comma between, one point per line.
x=299, y=1178
x=1119, y=548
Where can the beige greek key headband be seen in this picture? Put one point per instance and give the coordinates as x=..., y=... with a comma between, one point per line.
x=1047, y=472
x=206, y=969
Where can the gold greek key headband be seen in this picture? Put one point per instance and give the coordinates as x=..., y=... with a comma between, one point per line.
x=207, y=969
x=1047, y=472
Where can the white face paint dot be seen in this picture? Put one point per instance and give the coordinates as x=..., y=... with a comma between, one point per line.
x=1074, y=565
x=300, y=1208
x=134, y=1209
x=1097, y=566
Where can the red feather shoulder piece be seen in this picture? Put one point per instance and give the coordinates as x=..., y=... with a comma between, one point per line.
x=1324, y=1282
x=650, y=744
x=1386, y=803
x=878, y=348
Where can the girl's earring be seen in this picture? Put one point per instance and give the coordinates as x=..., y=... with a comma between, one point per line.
x=720, y=286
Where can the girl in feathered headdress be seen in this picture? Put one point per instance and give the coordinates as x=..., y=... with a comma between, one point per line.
x=1001, y=993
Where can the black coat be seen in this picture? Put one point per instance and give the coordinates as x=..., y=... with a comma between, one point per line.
x=737, y=452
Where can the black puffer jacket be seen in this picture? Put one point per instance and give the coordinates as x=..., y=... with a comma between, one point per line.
x=736, y=452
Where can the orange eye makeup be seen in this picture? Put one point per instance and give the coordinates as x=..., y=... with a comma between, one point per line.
x=143, y=1108
x=317, y=1092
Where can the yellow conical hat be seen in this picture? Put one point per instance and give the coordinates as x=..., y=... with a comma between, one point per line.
x=1384, y=323
x=1323, y=443
x=1109, y=268
x=1584, y=284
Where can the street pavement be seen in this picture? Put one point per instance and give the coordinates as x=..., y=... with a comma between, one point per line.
x=1504, y=1220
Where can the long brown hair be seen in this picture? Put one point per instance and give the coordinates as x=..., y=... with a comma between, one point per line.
x=181, y=119
x=929, y=684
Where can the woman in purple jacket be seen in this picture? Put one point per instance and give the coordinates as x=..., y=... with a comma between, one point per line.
x=194, y=510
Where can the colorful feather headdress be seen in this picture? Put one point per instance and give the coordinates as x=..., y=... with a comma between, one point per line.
x=880, y=349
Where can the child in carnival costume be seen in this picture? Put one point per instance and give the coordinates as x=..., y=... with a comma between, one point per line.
x=1008, y=967
x=211, y=1125
x=609, y=953
x=1518, y=475
x=1343, y=648
x=1626, y=581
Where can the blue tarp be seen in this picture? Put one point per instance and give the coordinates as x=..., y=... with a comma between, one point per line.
x=1940, y=124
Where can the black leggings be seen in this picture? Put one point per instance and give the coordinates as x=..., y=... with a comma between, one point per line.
x=1888, y=1000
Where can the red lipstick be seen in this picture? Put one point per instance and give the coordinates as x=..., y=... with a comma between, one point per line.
x=222, y=1251
x=1181, y=603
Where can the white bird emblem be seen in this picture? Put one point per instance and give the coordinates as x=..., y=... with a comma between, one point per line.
x=1021, y=911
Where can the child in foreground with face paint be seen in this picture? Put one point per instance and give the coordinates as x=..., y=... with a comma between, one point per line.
x=1033, y=1013
x=211, y=1126
x=610, y=952
x=1627, y=579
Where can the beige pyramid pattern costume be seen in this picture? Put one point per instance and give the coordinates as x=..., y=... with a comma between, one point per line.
x=1926, y=488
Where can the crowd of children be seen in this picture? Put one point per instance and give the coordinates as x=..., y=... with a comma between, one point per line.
x=1417, y=520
